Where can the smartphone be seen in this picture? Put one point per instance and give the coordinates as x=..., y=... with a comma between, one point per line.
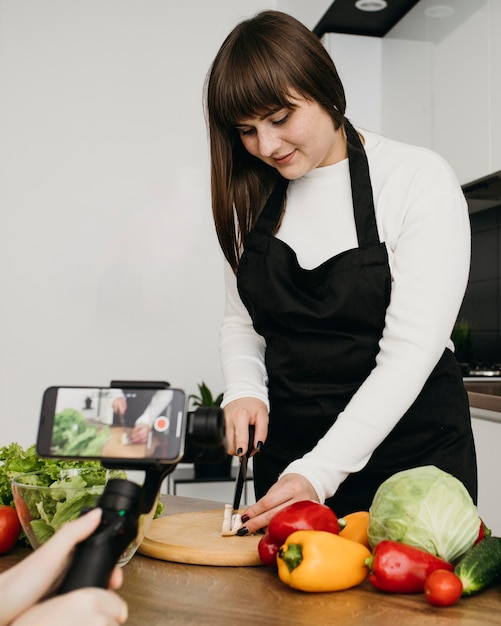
x=107, y=423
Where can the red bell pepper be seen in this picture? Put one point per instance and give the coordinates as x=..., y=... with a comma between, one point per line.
x=399, y=568
x=483, y=532
x=303, y=515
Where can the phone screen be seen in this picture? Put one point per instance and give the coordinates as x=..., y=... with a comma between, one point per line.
x=112, y=423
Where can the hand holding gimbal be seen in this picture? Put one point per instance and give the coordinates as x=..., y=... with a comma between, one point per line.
x=96, y=557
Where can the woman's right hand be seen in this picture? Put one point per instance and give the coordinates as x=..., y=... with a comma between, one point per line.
x=239, y=415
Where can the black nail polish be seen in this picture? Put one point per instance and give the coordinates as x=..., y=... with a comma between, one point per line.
x=245, y=518
x=259, y=445
x=242, y=531
x=239, y=451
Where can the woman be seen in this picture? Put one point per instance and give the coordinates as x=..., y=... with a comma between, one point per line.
x=347, y=258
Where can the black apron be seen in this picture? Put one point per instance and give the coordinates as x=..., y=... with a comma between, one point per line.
x=322, y=329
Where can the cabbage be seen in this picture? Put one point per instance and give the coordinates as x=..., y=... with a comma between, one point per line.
x=427, y=508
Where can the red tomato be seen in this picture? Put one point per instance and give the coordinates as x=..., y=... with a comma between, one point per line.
x=10, y=528
x=442, y=588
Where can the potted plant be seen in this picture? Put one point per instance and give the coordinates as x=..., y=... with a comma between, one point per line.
x=208, y=469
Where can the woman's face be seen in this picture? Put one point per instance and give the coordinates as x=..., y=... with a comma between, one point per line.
x=294, y=140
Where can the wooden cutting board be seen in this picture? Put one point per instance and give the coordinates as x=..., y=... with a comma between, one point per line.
x=195, y=538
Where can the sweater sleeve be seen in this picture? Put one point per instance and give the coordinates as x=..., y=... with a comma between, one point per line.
x=241, y=349
x=429, y=262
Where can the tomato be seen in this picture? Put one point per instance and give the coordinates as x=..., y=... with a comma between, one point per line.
x=10, y=528
x=443, y=588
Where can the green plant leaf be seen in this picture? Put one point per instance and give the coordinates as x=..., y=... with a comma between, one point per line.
x=205, y=397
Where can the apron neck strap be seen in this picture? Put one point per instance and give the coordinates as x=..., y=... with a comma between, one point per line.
x=270, y=215
x=361, y=189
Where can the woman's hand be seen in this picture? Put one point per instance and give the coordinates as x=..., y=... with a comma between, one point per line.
x=288, y=489
x=24, y=586
x=119, y=406
x=82, y=607
x=139, y=434
x=238, y=415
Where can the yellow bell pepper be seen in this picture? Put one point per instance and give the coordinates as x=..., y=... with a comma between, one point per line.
x=315, y=560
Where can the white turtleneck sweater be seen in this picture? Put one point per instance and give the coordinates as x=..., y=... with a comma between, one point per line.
x=422, y=218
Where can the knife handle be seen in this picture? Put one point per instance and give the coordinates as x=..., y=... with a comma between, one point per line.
x=250, y=446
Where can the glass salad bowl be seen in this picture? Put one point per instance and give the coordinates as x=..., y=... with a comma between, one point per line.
x=44, y=502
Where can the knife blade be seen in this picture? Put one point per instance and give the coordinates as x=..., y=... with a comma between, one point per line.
x=242, y=472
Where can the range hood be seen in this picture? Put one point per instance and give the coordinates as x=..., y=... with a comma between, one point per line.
x=373, y=18
x=483, y=193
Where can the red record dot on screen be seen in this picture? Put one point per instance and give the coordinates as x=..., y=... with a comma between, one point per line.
x=161, y=424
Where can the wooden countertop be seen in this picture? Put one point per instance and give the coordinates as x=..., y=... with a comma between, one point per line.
x=485, y=394
x=159, y=592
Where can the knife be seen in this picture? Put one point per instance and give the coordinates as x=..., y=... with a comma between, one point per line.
x=242, y=472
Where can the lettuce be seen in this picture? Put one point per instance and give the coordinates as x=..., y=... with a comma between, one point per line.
x=65, y=498
x=427, y=508
x=52, y=510
x=73, y=435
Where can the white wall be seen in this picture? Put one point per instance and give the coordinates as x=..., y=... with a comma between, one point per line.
x=110, y=267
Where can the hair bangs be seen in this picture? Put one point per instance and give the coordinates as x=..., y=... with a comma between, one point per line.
x=254, y=84
x=245, y=100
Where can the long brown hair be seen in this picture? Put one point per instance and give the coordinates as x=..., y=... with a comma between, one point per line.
x=259, y=64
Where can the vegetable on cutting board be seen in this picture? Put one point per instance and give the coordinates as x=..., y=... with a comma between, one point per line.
x=316, y=561
x=481, y=566
x=399, y=568
x=302, y=515
x=232, y=522
x=427, y=508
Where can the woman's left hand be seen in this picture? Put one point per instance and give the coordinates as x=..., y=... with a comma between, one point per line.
x=43, y=571
x=288, y=489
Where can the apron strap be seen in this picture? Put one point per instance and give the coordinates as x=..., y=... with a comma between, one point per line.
x=361, y=189
x=268, y=219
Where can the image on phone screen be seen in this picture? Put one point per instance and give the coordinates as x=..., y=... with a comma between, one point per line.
x=101, y=422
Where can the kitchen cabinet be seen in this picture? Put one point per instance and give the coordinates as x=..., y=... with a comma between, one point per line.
x=442, y=84
x=484, y=396
x=487, y=433
x=495, y=83
x=462, y=109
